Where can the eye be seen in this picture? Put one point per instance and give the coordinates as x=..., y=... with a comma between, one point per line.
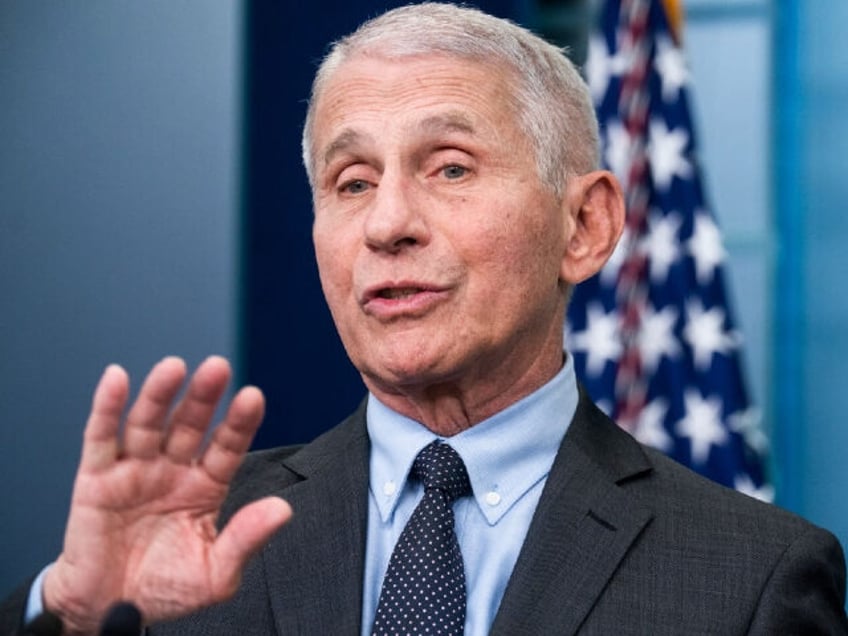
x=454, y=171
x=355, y=186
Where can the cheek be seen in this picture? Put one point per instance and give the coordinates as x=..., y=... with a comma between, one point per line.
x=333, y=268
x=521, y=249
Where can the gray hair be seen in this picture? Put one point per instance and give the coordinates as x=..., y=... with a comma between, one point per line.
x=556, y=111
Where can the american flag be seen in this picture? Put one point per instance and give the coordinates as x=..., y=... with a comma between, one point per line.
x=653, y=338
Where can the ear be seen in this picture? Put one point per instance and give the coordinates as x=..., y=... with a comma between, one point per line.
x=594, y=208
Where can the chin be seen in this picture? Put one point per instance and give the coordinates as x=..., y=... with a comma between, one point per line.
x=403, y=371
x=409, y=358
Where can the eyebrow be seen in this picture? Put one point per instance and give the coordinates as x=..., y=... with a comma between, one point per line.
x=452, y=121
x=346, y=139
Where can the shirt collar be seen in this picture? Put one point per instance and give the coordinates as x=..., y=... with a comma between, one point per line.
x=505, y=455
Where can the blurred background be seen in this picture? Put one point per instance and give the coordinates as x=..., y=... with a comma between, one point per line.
x=152, y=202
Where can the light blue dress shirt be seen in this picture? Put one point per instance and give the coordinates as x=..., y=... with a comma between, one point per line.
x=508, y=458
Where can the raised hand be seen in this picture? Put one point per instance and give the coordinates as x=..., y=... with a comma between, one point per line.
x=142, y=525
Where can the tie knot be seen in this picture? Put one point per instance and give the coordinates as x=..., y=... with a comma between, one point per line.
x=440, y=466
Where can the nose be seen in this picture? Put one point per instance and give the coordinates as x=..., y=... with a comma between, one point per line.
x=396, y=219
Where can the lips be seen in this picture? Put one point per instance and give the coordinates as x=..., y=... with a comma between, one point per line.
x=399, y=290
x=397, y=299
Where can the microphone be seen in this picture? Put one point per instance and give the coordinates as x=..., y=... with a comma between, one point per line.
x=45, y=624
x=122, y=619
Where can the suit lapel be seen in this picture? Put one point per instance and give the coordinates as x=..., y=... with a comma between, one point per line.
x=583, y=527
x=314, y=567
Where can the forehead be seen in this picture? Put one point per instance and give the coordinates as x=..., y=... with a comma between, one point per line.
x=428, y=93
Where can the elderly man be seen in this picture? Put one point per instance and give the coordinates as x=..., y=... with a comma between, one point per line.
x=477, y=490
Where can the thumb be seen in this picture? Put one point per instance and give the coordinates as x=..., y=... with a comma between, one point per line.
x=244, y=535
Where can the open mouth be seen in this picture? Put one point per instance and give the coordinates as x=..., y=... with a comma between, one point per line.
x=394, y=293
x=403, y=299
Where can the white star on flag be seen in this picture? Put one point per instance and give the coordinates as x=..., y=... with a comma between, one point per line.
x=600, y=340
x=656, y=337
x=618, y=149
x=662, y=243
x=748, y=424
x=599, y=67
x=701, y=424
x=650, y=429
x=706, y=247
x=671, y=66
x=666, y=149
x=704, y=331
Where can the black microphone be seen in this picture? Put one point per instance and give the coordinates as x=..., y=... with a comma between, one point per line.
x=123, y=619
x=45, y=624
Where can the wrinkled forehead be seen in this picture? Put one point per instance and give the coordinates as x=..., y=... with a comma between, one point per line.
x=369, y=81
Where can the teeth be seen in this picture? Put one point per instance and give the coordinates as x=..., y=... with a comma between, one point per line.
x=398, y=293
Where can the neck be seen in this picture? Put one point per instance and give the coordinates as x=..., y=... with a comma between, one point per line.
x=450, y=407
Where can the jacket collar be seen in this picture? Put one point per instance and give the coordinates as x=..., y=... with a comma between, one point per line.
x=321, y=550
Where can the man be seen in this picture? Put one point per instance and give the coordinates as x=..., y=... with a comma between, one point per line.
x=452, y=160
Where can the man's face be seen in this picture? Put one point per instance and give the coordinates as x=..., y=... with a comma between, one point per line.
x=438, y=247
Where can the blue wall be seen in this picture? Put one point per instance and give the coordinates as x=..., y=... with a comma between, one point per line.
x=118, y=190
x=816, y=114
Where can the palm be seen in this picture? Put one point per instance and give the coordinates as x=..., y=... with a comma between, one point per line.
x=143, y=516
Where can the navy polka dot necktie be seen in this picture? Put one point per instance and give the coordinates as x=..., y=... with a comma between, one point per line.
x=424, y=587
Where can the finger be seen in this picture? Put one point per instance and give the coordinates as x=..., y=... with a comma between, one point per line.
x=244, y=535
x=144, y=429
x=191, y=418
x=232, y=437
x=100, y=439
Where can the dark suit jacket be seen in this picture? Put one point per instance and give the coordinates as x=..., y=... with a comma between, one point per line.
x=624, y=541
